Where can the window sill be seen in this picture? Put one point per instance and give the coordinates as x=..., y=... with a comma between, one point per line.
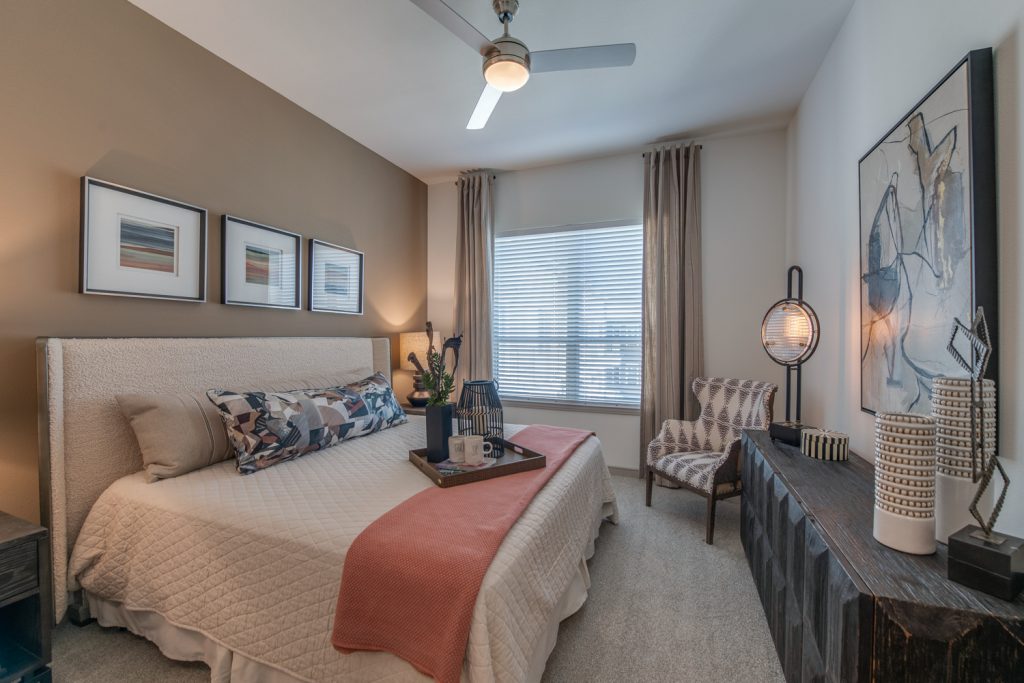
x=570, y=407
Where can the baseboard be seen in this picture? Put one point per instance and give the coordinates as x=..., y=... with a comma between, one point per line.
x=624, y=472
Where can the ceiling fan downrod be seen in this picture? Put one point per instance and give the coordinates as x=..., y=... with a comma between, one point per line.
x=506, y=10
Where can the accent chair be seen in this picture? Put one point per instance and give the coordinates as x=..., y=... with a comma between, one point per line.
x=703, y=456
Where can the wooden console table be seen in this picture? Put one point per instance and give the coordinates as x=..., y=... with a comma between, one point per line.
x=843, y=607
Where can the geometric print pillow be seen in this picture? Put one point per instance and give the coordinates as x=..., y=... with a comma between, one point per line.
x=266, y=428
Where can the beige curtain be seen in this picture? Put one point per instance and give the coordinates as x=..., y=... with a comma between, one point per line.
x=673, y=348
x=474, y=261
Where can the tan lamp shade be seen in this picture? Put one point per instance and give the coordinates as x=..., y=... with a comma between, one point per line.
x=415, y=342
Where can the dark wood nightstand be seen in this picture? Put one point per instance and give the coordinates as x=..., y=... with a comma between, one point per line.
x=413, y=410
x=25, y=608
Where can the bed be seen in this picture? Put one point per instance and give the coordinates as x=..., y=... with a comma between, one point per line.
x=243, y=572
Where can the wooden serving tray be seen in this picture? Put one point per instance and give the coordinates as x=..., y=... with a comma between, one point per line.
x=515, y=459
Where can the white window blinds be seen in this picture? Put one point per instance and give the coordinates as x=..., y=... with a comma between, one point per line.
x=567, y=315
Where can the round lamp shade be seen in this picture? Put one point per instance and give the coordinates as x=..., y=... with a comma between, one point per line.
x=789, y=332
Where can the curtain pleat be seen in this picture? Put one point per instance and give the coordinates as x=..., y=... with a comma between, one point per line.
x=474, y=264
x=673, y=347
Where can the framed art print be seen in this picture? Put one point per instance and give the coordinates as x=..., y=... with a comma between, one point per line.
x=261, y=264
x=138, y=244
x=335, y=278
x=927, y=238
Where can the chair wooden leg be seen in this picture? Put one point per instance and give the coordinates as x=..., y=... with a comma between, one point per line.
x=650, y=486
x=709, y=539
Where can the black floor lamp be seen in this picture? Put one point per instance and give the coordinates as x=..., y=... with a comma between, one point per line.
x=789, y=333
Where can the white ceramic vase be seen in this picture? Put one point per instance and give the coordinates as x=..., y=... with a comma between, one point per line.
x=905, y=482
x=954, y=487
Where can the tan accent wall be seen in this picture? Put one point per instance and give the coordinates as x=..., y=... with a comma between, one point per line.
x=101, y=88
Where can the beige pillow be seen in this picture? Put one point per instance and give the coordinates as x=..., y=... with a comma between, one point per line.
x=179, y=433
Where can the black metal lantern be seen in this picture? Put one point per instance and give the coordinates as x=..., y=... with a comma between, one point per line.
x=479, y=411
x=789, y=333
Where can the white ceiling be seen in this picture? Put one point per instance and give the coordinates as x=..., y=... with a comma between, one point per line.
x=384, y=73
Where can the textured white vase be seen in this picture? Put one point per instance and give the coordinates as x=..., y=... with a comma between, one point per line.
x=905, y=482
x=954, y=488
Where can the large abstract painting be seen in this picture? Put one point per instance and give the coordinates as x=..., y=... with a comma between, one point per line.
x=927, y=233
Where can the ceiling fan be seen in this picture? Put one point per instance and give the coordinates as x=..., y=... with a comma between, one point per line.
x=508, y=63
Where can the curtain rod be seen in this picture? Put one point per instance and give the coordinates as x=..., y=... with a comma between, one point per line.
x=671, y=143
x=650, y=148
x=473, y=171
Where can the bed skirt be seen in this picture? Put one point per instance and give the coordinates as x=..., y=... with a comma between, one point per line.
x=226, y=666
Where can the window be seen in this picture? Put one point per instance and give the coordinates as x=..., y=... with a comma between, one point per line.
x=567, y=326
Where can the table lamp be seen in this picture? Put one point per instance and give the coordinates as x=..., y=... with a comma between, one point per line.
x=789, y=333
x=412, y=349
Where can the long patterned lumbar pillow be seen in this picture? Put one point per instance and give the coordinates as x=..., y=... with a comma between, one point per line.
x=267, y=428
x=825, y=445
x=181, y=432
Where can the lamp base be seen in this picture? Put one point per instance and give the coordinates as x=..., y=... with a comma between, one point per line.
x=786, y=432
x=419, y=397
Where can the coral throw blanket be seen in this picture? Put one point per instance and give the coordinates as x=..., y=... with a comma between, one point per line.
x=411, y=578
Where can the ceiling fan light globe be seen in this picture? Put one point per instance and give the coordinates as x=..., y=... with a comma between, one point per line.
x=506, y=74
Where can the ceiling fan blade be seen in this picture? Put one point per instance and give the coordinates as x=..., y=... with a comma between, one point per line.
x=484, y=106
x=595, y=57
x=454, y=22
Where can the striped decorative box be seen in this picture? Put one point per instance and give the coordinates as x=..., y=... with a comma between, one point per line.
x=825, y=445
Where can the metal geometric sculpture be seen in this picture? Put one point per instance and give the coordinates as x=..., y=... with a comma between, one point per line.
x=986, y=526
x=977, y=338
x=981, y=345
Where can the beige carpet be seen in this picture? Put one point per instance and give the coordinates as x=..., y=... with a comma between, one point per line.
x=663, y=606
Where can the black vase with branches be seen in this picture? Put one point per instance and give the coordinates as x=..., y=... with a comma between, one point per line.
x=440, y=383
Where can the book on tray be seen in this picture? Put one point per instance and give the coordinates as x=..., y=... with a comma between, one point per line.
x=449, y=467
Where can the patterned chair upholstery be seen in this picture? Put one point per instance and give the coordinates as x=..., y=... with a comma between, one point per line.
x=704, y=455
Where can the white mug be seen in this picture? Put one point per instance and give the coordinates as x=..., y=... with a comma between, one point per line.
x=457, y=449
x=476, y=449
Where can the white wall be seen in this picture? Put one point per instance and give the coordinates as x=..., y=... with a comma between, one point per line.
x=588, y=191
x=887, y=55
x=743, y=205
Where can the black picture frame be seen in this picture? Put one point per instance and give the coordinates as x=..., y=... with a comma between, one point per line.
x=86, y=242
x=314, y=295
x=226, y=298
x=980, y=209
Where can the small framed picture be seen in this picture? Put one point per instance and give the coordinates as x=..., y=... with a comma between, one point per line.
x=335, y=278
x=261, y=264
x=142, y=245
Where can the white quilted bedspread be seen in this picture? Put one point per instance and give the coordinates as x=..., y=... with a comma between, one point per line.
x=254, y=562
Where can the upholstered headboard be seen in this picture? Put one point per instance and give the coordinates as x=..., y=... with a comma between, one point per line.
x=85, y=442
